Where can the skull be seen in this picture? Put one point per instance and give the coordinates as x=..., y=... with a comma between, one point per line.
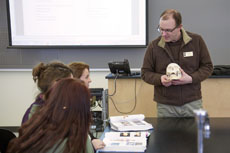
x=173, y=71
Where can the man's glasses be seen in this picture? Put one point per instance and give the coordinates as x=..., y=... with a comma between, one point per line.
x=165, y=30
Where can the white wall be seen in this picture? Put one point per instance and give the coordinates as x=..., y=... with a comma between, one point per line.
x=18, y=91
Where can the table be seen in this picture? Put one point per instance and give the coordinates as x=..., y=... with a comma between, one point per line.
x=179, y=135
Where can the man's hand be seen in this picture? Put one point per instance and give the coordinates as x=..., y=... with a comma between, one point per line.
x=165, y=81
x=185, y=79
x=98, y=144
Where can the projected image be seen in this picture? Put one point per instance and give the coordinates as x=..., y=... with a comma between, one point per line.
x=77, y=22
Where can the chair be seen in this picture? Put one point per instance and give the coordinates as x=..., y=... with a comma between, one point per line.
x=5, y=137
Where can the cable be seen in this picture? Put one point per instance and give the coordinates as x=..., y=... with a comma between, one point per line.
x=93, y=107
x=115, y=85
x=99, y=103
x=132, y=98
x=134, y=107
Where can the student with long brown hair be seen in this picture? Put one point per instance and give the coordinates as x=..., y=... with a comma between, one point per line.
x=61, y=125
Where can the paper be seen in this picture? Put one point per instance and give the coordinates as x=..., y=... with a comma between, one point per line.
x=129, y=123
x=125, y=141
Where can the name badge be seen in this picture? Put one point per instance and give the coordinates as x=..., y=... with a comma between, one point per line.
x=188, y=54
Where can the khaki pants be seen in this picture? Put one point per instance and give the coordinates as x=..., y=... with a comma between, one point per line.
x=178, y=111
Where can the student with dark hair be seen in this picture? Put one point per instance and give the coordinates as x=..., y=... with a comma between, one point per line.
x=45, y=75
x=81, y=71
x=61, y=125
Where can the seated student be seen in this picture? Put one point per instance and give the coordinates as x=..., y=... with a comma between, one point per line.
x=45, y=75
x=61, y=125
x=81, y=71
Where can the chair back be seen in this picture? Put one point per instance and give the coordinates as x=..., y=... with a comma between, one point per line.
x=5, y=137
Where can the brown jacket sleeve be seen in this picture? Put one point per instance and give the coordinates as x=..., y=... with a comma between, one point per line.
x=147, y=70
x=206, y=66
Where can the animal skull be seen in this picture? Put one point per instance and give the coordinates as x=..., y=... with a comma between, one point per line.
x=173, y=71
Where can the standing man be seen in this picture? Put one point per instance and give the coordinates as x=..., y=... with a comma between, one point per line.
x=176, y=98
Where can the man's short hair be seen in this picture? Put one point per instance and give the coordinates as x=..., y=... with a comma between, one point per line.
x=174, y=13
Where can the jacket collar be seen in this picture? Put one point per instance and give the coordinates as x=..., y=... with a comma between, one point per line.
x=186, y=38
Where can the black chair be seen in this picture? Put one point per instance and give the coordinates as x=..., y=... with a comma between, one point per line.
x=5, y=137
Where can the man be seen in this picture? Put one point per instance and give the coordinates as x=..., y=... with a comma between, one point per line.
x=176, y=98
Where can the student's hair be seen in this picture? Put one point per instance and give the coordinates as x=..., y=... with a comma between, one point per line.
x=46, y=74
x=174, y=13
x=78, y=68
x=64, y=117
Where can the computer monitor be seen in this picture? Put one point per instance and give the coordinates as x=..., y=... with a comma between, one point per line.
x=120, y=67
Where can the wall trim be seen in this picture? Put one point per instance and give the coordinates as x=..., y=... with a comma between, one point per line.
x=91, y=70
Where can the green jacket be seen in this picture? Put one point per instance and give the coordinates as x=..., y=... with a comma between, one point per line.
x=61, y=147
x=199, y=66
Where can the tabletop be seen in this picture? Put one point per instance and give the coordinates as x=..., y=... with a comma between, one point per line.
x=179, y=135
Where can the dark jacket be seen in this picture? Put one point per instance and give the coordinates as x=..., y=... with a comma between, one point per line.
x=199, y=66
